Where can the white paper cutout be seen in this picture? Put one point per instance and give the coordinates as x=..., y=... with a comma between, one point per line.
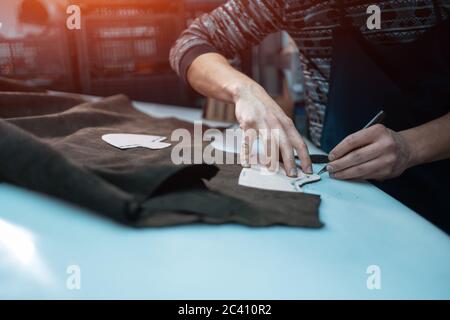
x=261, y=178
x=127, y=141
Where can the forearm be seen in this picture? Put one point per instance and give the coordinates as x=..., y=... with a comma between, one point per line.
x=211, y=75
x=430, y=141
x=228, y=30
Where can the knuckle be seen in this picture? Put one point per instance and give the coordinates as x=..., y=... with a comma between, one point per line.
x=251, y=134
x=302, y=151
x=350, y=140
x=247, y=122
x=389, y=143
x=277, y=124
x=287, y=155
x=272, y=119
x=356, y=157
x=379, y=128
x=273, y=124
x=335, y=167
x=286, y=121
x=389, y=164
x=359, y=171
x=306, y=160
x=299, y=143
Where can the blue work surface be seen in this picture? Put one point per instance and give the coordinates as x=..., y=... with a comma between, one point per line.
x=40, y=238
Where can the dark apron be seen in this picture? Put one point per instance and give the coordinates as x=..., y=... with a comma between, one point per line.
x=411, y=83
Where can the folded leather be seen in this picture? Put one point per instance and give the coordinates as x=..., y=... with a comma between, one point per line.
x=52, y=144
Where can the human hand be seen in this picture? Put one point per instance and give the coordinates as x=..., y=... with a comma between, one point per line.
x=260, y=116
x=374, y=153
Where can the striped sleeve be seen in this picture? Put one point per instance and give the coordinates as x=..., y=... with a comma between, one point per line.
x=229, y=29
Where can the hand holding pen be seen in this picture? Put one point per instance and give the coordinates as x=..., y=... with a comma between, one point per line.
x=375, y=152
x=375, y=120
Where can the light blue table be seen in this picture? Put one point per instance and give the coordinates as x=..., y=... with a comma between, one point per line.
x=40, y=238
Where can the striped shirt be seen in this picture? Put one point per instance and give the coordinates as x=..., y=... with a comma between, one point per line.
x=238, y=24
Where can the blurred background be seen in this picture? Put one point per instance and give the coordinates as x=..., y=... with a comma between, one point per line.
x=123, y=47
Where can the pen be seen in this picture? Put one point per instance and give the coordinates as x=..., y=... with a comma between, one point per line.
x=375, y=120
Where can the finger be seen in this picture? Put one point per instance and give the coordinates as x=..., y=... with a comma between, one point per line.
x=248, y=138
x=287, y=154
x=302, y=152
x=263, y=158
x=366, y=170
x=271, y=139
x=355, y=141
x=356, y=157
x=297, y=142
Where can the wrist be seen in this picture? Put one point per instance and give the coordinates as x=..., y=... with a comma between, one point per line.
x=413, y=147
x=241, y=89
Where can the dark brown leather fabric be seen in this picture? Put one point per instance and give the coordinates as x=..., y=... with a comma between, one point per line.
x=52, y=144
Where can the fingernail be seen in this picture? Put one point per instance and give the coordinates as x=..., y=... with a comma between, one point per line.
x=331, y=157
x=330, y=169
x=293, y=172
